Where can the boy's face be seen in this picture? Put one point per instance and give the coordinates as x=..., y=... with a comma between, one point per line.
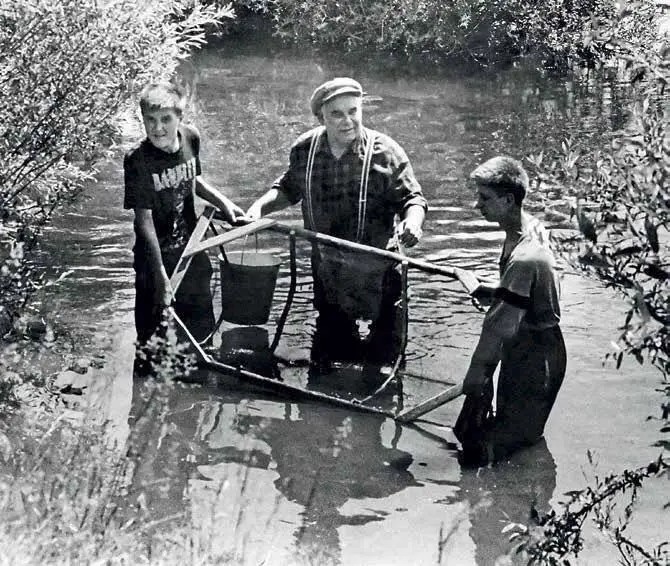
x=493, y=206
x=161, y=127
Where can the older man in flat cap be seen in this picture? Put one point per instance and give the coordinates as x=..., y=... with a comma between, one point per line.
x=357, y=184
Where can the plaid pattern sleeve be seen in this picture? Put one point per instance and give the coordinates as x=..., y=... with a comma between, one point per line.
x=404, y=186
x=292, y=181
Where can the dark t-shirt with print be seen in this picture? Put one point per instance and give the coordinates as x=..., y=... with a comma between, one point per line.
x=164, y=183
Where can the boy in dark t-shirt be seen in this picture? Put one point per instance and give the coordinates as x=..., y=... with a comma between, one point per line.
x=161, y=176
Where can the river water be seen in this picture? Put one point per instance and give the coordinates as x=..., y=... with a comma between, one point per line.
x=277, y=482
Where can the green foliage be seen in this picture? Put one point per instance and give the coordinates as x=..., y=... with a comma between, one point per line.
x=557, y=536
x=486, y=31
x=621, y=201
x=68, y=70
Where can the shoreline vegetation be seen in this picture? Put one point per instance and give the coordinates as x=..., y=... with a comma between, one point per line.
x=71, y=69
x=557, y=35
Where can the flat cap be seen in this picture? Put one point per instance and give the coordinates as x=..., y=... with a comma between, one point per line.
x=330, y=89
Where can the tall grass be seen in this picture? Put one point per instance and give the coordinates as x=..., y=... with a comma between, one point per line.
x=69, y=497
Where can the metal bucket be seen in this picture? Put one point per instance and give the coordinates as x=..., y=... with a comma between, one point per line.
x=248, y=282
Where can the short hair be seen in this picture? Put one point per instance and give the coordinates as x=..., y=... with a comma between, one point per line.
x=163, y=95
x=504, y=175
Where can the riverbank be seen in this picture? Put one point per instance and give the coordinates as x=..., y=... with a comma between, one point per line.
x=556, y=35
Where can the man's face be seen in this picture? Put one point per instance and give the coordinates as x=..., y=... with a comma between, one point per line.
x=493, y=207
x=342, y=117
x=161, y=127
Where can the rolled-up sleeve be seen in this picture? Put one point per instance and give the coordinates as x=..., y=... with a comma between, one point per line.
x=289, y=182
x=405, y=188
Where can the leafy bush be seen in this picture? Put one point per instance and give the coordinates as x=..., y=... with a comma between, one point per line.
x=486, y=31
x=621, y=201
x=68, y=70
x=558, y=534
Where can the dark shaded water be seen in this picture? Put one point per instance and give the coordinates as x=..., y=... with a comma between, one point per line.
x=277, y=482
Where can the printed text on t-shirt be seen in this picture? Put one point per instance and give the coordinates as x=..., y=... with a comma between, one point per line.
x=171, y=178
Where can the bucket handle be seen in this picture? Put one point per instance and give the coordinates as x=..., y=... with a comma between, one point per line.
x=223, y=251
x=221, y=248
x=244, y=247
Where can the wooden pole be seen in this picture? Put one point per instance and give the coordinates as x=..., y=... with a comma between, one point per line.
x=207, y=362
x=284, y=388
x=202, y=355
x=466, y=278
x=185, y=259
x=409, y=415
x=196, y=244
x=428, y=405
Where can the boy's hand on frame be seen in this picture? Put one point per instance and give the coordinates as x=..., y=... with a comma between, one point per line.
x=255, y=212
x=233, y=214
x=484, y=293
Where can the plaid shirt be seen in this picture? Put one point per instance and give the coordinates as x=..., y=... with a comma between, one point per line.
x=392, y=187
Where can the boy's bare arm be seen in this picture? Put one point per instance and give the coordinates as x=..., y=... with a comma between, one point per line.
x=502, y=322
x=230, y=210
x=144, y=226
x=483, y=363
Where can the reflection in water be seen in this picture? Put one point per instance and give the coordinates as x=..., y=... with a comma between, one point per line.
x=504, y=493
x=321, y=458
x=248, y=347
x=317, y=458
x=164, y=454
x=339, y=456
